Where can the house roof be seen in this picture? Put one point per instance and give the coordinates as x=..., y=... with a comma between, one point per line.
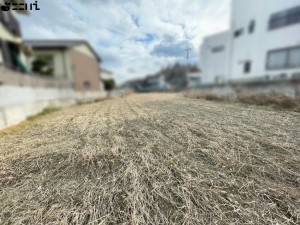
x=106, y=71
x=46, y=44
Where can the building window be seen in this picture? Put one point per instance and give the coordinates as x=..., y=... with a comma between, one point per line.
x=284, y=58
x=43, y=64
x=217, y=49
x=87, y=85
x=238, y=33
x=247, y=67
x=294, y=58
x=251, y=27
x=284, y=18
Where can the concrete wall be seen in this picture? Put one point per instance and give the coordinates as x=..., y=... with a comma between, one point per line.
x=286, y=87
x=23, y=95
x=18, y=103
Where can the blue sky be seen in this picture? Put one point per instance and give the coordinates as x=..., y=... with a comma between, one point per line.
x=133, y=37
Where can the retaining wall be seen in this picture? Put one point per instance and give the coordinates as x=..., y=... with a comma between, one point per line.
x=23, y=95
x=283, y=87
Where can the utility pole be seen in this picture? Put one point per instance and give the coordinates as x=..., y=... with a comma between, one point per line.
x=188, y=49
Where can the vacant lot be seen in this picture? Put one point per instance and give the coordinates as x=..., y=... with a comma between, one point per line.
x=153, y=159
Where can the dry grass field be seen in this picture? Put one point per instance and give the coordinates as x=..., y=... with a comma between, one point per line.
x=153, y=159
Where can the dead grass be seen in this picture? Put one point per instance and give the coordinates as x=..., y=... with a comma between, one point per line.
x=45, y=112
x=21, y=126
x=272, y=100
x=153, y=159
x=204, y=95
x=97, y=100
x=14, y=129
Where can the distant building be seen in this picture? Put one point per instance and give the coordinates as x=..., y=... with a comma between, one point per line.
x=215, y=58
x=155, y=83
x=107, y=81
x=263, y=43
x=194, y=79
x=75, y=60
x=106, y=74
x=133, y=85
x=12, y=50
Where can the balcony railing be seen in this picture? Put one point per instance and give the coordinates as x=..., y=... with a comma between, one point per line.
x=15, y=78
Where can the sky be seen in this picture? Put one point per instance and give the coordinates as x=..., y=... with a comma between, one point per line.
x=133, y=37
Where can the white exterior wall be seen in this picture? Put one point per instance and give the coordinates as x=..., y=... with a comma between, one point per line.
x=249, y=47
x=255, y=46
x=215, y=65
x=105, y=75
x=162, y=82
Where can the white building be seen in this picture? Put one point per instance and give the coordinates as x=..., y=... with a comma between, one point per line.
x=263, y=42
x=106, y=74
x=155, y=83
x=194, y=79
x=215, y=58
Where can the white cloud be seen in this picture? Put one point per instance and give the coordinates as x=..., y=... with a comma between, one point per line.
x=127, y=33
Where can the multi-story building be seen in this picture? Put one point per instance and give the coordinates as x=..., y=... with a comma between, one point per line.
x=12, y=51
x=263, y=43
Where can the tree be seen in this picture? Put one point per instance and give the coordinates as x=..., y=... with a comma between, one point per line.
x=41, y=65
x=109, y=85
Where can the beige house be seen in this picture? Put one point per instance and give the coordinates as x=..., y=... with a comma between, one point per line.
x=12, y=51
x=74, y=60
